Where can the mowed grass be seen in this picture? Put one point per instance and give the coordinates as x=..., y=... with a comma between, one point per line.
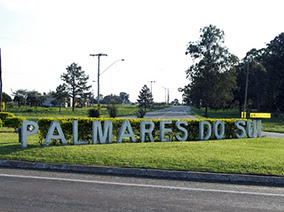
x=274, y=124
x=263, y=156
x=34, y=113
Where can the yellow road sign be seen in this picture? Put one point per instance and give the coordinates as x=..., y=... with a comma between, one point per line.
x=2, y=106
x=260, y=115
x=243, y=115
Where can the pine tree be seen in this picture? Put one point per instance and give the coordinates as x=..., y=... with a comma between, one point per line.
x=145, y=98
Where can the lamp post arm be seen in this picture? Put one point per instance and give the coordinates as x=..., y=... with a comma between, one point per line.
x=111, y=65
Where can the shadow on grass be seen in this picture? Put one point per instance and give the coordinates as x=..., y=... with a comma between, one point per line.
x=9, y=149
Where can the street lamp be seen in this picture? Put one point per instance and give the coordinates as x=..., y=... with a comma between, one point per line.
x=99, y=74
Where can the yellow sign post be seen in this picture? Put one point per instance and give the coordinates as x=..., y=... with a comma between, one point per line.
x=260, y=115
x=244, y=115
x=2, y=105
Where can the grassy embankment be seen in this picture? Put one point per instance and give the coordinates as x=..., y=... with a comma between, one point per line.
x=275, y=124
x=248, y=156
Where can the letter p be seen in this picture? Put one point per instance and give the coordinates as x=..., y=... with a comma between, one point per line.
x=26, y=130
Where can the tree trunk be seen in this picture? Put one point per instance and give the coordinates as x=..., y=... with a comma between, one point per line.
x=73, y=103
x=206, y=111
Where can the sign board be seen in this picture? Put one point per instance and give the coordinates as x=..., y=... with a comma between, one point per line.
x=2, y=105
x=244, y=115
x=260, y=115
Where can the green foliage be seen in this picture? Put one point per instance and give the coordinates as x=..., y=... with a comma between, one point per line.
x=1, y=124
x=75, y=82
x=141, y=113
x=4, y=115
x=212, y=75
x=112, y=109
x=14, y=122
x=145, y=98
x=94, y=113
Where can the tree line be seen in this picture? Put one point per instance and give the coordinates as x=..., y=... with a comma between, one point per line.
x=219, y=80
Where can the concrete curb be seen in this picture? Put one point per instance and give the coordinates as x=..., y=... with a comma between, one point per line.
x=151, y=173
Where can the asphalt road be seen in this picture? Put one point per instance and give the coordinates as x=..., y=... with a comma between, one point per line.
x=176, y=112
x=28, y=190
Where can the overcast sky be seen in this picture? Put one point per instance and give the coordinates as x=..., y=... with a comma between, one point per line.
x=40, y=38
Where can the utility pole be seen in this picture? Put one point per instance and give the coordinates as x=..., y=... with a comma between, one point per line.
x=168, y=96
x=151, y=86
x=98, y=55
x=246, y=90
x=1, y=109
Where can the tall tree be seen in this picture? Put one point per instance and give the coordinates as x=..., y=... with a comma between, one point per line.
x=145, y=98
x=0, y=82
x=212, y=74
x=75, y=81
x=274, y=63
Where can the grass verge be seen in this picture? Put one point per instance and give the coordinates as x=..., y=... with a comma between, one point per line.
x=263, y=156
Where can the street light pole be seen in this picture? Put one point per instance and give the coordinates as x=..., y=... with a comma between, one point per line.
x=246, y=89
x=151, y=86
x=98, y=55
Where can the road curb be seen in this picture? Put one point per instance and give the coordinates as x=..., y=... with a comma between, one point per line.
x=151, y=173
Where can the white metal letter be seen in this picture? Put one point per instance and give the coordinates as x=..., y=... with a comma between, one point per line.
x=125, y=126
x=149, y=131
x=50, y=134
x=185, y=133
x=164, y=130
x=75, y=134
x=98, y=133
x=25, y=131
x=201, y=130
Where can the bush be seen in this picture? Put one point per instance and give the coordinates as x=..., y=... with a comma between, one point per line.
x=112, y=110
x=141, y=113
x=14, y=122
x=1, y=123
x=93, y=113
x=4, y=115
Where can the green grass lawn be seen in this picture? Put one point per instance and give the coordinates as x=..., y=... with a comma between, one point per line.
x=34, y=113
x=247, y=156
x=275, y=124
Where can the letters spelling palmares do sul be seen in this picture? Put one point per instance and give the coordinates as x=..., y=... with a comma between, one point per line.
x=103, y=134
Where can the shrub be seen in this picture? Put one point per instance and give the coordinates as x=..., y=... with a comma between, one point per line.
x=141, y=113
x=94, y=113
x=14, y=122
x=1, y=123
x=4, y=115
x=112, y=110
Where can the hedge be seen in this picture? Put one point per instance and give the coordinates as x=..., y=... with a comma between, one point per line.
x=85, y=128
x=14, y=122
x=4, y=115
x=1, y=123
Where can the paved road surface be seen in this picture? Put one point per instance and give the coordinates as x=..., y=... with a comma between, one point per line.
x=177, y=112
x=27, y=190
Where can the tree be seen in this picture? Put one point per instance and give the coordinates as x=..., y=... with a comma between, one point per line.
x=20, y=97
x=274, y=64
x=75, y=82
x=145, y=98
x=34, y=98
x=6, y=98
x=125, y=97
x=60, y=96
x=212, y=75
